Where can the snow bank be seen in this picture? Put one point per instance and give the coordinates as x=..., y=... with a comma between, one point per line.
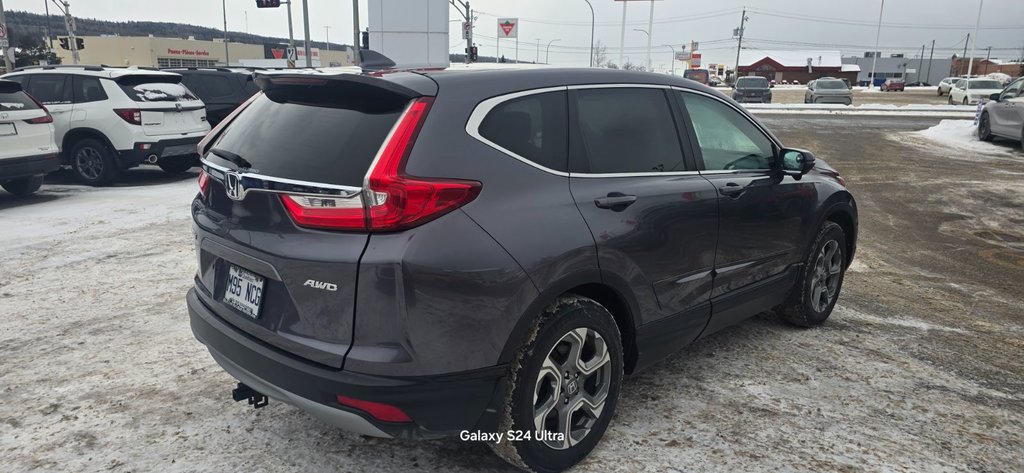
x=960, y=135
x=876, y=109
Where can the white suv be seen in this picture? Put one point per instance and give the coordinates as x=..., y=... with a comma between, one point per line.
x=27, y=150
x=111, y=119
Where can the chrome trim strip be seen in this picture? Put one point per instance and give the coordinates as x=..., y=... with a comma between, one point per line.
x=485, y=107
x=637, y=174
x=618, y=86
x=253, y=182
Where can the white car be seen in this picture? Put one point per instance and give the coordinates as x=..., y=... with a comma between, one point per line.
x=972, y=91
x=946, y=84
x=110, y=119
x=27, y=149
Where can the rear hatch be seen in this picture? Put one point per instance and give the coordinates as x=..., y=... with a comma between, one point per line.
x=167, y=106
x=281, y=216
x=25, y=125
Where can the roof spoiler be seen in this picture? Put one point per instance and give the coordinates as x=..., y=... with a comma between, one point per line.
x=358, y=91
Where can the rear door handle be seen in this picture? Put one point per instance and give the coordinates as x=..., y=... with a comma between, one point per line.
x=616, y=201
x=731, y=189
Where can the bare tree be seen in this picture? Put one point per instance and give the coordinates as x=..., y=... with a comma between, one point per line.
x=600, y=54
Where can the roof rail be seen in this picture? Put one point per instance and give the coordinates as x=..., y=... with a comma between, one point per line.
x=87, y=67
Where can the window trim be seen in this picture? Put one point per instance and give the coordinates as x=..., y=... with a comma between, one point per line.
x=700, y=155
x=478, y=114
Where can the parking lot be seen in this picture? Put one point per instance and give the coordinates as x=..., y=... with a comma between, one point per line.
x=919, y=368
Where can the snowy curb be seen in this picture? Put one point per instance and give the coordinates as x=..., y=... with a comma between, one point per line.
x=912, y=110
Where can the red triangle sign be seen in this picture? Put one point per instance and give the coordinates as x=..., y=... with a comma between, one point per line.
x=507, y=27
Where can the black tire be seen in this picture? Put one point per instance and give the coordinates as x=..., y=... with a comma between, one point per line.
x=547, y=342
x=965, y=100
x=804, y=307
x=176, y=165
x=23, y=186
x=985, y=127
x=939, y=90
x=92, y=163
x=950, y=99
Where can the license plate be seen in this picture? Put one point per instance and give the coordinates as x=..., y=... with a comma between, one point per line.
x=179, y=150
x=7, y=129
x=244, y=291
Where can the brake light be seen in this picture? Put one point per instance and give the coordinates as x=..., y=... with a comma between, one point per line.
x=392, y=200
x=379, y=411
x=40, y=120
x=130, y=115
x=204, y=182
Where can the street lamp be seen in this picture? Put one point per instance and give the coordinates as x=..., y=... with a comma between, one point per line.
x=547, y=50
x=649, y=68
x=673, y=63
x=591, y=32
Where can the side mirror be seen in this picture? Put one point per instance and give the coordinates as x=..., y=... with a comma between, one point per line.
x=994, y=96
x=796, y=162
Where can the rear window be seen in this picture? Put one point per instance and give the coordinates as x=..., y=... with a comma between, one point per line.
x=752, y=83
x=155, y=89
x=330, y=145
x=985, y=84
x=830, y=84
x=16, y=102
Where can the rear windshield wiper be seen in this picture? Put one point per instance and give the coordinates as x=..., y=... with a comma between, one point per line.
x=234, y=158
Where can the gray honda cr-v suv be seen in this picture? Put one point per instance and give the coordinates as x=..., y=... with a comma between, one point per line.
x=442, y=253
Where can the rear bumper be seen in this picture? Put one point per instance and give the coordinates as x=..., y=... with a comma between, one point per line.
x=439, y=406
x=16, y=168
x=178, y=148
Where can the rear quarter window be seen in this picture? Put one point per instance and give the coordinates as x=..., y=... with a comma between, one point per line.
x=534, y=127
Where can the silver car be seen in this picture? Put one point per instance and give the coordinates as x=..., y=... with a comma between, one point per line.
x=828, y=90
x=1003, y=115
x=946, y=85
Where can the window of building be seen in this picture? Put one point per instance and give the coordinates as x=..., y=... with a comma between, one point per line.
x=172, y=62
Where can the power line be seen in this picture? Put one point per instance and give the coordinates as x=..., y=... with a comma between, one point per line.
x=843, y=21
x=673, y=19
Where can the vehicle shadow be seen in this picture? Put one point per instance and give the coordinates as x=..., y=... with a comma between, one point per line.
x=61, y=184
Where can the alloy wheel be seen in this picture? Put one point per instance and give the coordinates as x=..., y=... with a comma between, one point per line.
x=571, y=388
x=825, y=281
x=89, y=163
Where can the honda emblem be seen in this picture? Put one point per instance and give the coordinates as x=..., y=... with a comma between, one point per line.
x=233, y=185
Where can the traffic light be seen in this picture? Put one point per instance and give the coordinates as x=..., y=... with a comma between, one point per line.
x=366, y=40
x=64, y=42
x=473, y=54
x=79, y=44
x=268, y=3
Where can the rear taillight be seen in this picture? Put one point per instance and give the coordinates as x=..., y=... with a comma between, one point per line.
x=204, y=182
x=130, y=115
x=43, y=119
x=392, y=200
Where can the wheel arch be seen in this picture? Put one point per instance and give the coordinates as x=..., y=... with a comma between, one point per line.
x=607, y=290
x=78, y=134
x=844, y=215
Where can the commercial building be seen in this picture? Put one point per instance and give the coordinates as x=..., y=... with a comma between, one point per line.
x=800, y=66
x=898, y=66
x=176, y=52
x=1013, y=68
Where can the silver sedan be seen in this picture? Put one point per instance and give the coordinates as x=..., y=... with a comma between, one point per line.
x=1003, y=115
x=828, y=91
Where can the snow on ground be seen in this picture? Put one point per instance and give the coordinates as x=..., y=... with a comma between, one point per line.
x=876, y=109
x=961, y=135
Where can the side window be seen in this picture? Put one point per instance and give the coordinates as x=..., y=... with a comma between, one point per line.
x=1013, y=90
x=727, y=139
x=50, y=89
x=534, y=127
x=627, y=131
x=88, y=89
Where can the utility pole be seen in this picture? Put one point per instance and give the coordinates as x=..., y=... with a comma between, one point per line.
x=650, y=32
x=591, y=32
x=355, y=31
x=970, y=62
x=622, y=37
x=291, y=35
x=673, y=63
x=8, y=67
x=874, y=54
x=739, y=46
x=648, y=42
x=931, y=55
x=327, y=32
x=69, y=22
x=467, y=27
x=49, y=35
x=537, y=60
x=227, y=58
x=965, y=52
x=305, y=24
x=920, y=64
x=547, y=51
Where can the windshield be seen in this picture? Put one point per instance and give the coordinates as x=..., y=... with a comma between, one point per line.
x=985, y=84
x=752, y=83
x=830, y=84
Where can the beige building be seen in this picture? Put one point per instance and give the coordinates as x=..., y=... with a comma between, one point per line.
x=175, y=52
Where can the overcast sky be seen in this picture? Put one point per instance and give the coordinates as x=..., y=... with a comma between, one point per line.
x=773, y=24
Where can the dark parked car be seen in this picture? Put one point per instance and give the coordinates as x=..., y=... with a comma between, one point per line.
x=417, y=255
x=221, y=89
x=752, y=89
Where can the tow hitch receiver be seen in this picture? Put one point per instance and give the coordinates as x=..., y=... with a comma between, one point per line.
x=243, y=392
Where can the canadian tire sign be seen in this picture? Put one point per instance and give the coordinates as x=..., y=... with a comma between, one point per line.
x=508, y=27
